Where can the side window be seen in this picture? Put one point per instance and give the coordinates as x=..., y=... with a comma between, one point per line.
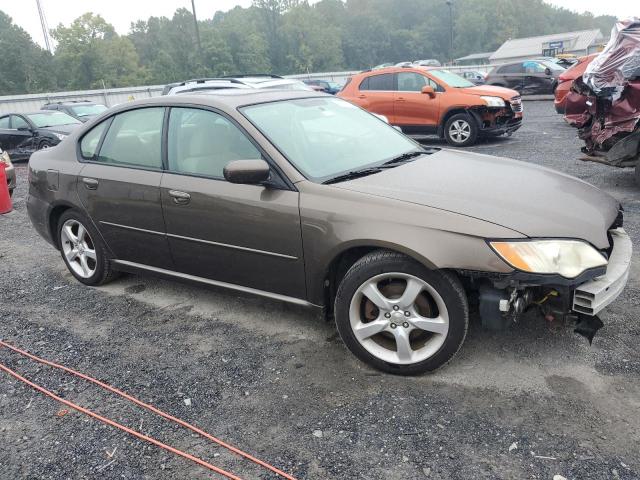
x=18, y=122
x=378, y=82
x=203, y=142
x=134, y=138
x=411, y=82
x=4, y=122
x=91, y=139
x=514, y=68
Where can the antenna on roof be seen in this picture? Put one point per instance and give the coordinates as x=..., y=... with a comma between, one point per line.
x=45, y=30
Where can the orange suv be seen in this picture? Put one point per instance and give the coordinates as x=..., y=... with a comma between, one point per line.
x=436, y=101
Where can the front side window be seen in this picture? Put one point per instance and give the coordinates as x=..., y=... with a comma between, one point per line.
x=452, y=79
x=4, y=122
x=325, y=137
x=134, y=139
x=203, y=143
x=18, y=122
x=382, y=83
x=411, y=82
x=90, y=141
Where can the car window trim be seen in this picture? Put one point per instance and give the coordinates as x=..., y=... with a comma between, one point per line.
x=282, y=182
x=109, y=119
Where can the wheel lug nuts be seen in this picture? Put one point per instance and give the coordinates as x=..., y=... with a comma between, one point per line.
x=405, y=324
x=407, y=314
x=393, y=325
x=396, y=307
x=387, y=315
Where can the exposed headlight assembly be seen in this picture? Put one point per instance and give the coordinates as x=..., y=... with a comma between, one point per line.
x=568, y=258
x=60, y=136
x=494, y=101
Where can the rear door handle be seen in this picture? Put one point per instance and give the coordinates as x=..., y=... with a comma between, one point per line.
x=180, y=198
x=362, y=96
x=90, y=183
x=400, y=99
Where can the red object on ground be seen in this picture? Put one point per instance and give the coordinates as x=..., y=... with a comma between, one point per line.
x=5, y=199
x=143, y=405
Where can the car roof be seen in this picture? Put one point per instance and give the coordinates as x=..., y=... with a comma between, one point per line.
x=228, y=99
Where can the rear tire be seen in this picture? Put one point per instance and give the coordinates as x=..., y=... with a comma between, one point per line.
x=400, y=317
x=461, y=130
x=82, y=249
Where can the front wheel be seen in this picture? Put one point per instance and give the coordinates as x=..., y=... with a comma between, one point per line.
x=400, y=317
x=461, y=130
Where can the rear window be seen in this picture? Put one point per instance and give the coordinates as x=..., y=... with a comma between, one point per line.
x=378, y=82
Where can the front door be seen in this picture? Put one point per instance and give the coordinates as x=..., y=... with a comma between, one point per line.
x=16, y=136
x=119, y=185
x=414, y=109
x=246, y=235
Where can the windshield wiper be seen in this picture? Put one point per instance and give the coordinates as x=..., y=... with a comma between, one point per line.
x=351, y=175
x=404, y=157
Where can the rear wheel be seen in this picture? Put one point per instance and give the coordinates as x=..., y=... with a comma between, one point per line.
x=82, y=249
x=398, y=316
x=461, y=130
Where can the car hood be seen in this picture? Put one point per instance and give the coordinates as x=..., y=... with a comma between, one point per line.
x=532, y=200
x=494, y=91
x=64, y=129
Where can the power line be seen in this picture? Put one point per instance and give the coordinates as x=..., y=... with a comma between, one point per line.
x=45, y=29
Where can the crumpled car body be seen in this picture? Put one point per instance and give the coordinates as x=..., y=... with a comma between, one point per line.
x=604, y=104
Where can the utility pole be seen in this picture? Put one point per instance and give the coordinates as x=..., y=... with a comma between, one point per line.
x=195, y=23
x=43, y=22
x=450, y=3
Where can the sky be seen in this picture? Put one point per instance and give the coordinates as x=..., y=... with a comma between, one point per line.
x=120, y=13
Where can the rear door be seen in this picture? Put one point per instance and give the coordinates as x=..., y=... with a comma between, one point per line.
x=119, y=185
x=376, y=93
x=246, y=235
x=412, y=107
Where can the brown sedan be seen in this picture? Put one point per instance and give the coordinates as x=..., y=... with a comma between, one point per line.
x=305, y=198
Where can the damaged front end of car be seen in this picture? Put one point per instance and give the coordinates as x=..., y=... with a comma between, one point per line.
x=562, y=280
x=604, y=104
x=498, y=119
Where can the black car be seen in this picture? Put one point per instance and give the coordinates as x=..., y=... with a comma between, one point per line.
x=473, y=76
x=21, y=134
x=83, y=110
x=527, y=77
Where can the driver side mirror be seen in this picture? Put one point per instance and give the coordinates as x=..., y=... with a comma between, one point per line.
x=428, y=90
x=247, y=172
x=24, y=129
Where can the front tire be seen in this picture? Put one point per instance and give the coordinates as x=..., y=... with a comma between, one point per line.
x=400, y=317
x=44, y=144
x=82, y=249
x=461, y=130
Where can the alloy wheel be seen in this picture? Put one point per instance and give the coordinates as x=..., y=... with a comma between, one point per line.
x=78, y=248
x=460, y=131
x=399, y=318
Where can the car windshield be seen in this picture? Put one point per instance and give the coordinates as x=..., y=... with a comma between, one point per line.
x=452, y=79
x=553, y=66
x=86, y=110
x=327, y=137
x=42, y=120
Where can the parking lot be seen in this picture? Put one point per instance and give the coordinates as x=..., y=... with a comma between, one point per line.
x=275, y=380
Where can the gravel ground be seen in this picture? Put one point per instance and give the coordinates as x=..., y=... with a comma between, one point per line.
x=275, y=380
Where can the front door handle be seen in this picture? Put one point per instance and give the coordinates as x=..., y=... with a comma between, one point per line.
x=400, y=99
x=180, y=198
x=362, y=96
x=90, y=183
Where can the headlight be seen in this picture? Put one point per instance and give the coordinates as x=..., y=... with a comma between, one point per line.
x=494, y=101
x=60, y=136
x=568, y=258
